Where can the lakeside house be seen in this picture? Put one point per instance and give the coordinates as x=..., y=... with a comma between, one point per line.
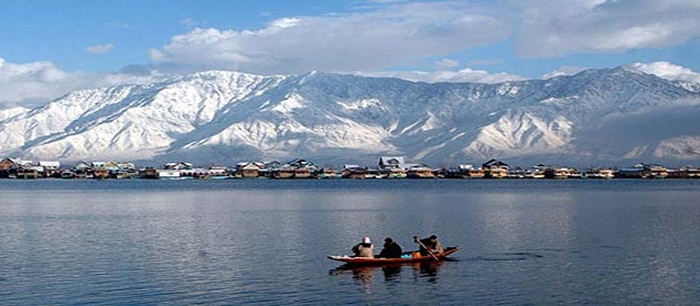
x=391, y=162
x=642, y=170
x=395, y=173
x=51, y=168
x=328, y=173
x=495, y=169
x=420, y=172
x=248, y=169
x=394, y=167
x=7, y=166
x=470, y=172
x=558, y=172
x=352, y=172
x=28, y=170
x=601, y=173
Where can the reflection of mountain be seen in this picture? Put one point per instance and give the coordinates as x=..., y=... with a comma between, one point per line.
x=606, y=115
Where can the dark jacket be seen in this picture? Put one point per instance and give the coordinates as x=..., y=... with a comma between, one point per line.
x=391, y=250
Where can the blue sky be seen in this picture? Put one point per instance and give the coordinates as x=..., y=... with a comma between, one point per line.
x=50, y=47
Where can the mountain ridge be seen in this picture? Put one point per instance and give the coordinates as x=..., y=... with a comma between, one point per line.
x=603, y=116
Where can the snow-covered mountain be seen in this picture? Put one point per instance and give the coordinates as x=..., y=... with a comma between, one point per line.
x=597, y=116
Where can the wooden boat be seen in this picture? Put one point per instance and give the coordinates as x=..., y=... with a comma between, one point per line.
x=408, y=257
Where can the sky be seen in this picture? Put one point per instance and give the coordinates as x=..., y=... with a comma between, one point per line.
x=48, y=48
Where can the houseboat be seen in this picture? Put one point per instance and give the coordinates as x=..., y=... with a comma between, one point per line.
x=302, y=173
x=170, y=174
x=212, y=173
x=395, y=173
x=557, y=173
x=495, y=169
x=27, y=173
x=124, y=174
x=283, y=173
x=248, y=170
x=601, y=174
x=100, y=174
x=534, y=174
x=420, y=173
x=373, y=174
x=148, y=173
x=658, y=172
x=328, y=173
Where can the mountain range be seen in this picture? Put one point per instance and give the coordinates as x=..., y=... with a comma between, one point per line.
x=617, y=116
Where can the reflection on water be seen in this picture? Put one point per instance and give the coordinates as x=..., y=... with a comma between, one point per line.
x=364, y=275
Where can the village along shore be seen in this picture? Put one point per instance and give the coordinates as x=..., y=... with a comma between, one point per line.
x=386, y=168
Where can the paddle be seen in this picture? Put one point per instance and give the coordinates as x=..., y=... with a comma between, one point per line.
x=415, y=238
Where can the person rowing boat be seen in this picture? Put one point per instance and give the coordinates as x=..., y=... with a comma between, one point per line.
x=429, y=246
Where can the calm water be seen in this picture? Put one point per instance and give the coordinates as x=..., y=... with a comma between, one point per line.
x=620, y=242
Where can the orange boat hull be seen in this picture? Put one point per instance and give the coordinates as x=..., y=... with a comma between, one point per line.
x=367, y=261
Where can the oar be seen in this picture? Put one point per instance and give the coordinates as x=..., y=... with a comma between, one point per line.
x=415, y=238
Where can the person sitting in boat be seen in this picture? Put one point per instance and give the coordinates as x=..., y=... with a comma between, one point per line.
x=391, y=249
x=430, y=245
x=364, y=248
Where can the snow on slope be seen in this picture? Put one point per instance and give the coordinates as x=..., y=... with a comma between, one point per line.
x=127, y=121
x=683, y=147
x=11, y=112
x=223, y=117
x=521, y=133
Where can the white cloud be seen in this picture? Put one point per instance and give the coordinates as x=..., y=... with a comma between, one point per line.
x=21, y=83
x=380, y=38
x=404, y=33
x=447, y=63
x=668, y=71
x=566, y=70
x=99, y=49
x=395, y=33
x=555, y=28
x=463, y=75
x=189, y=22
x=31, y=84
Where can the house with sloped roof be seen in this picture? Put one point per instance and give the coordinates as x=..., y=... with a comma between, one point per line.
x=495, y=169
x=249, y=169
x=7, y=166
x=178, y=166
x=301, y=163
x=389, y=162
x=51, y=168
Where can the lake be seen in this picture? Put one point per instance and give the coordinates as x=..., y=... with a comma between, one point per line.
x=265, y=242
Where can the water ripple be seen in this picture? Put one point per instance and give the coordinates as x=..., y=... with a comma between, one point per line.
x=265, y=243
